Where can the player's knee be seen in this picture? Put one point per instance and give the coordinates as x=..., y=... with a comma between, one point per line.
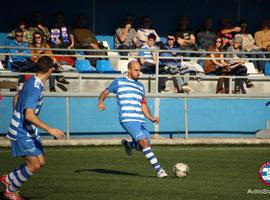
x=144, y=143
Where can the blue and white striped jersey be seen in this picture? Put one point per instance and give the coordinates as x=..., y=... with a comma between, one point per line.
x=146, y=54
x=29, y=97
x=130, y=94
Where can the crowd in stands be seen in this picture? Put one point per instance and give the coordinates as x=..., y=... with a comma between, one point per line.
x=233, y=39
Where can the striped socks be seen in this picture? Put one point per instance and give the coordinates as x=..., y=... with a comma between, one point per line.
x=151, y=158
x=18, y=177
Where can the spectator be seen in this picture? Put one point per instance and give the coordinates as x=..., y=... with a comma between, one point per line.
x=144, y=31
x=40, y=42
x=226, y=32
x=148, y=58
x=83, y=36
x=262, y=37
x=217, y=67
x=21, y=62
x=237, y=65
x=125, y=36
x=173, y=67
x=86, y=39
x=248, y=45
x=206, y=36
x=185, y=37
x=61, y=37
x=26, y=34
x=38, y=26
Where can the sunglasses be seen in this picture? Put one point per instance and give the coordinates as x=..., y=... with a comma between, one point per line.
x=37, y=37
x=218, y=41
x=19, y=35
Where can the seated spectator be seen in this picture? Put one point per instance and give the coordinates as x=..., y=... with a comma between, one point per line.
x=262, y=37
x=83, y=36
x=173, y=67
x=237, y=65
x=144, y=31
x=61, y=37
x=185, y=37
x=226, y=32
x=148, y=58
x=206, y=37
x=21, y=62
x=217, y=67
x=125, y=36
x=26, y=34
x=40, y=42
x=86, y=39
x=248, y=45
x=38, y=26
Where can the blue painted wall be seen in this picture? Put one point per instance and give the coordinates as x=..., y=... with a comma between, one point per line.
x=205, y=115
x=109, y=14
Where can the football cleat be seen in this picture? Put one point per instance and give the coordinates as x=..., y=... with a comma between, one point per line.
x=12, y=195
x=127, y=148
x=162, y=173
x=3, y=180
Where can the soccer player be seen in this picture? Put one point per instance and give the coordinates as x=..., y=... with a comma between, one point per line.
x=132, y=109
x=23, y=134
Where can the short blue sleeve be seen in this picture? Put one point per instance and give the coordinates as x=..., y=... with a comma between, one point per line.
x=32, y=98
x=113, y=87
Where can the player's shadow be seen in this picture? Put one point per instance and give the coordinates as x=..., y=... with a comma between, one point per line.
x=107, y=171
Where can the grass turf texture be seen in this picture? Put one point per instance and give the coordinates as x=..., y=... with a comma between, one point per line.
x=216, y=172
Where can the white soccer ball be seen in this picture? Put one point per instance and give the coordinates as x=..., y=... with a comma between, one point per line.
x=180, y=169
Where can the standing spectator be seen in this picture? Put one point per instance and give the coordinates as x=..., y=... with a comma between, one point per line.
x=26, y=34
x=125, y=35
x=226, y=32
x=61, y=37
x=206, y=37
x=40, y=42
x=262, y=37
x=237, y=65
x=248, y=45
x=148, y=58
x=144, y=31
x=217, y=67
x=38, y=26
x=173, y=67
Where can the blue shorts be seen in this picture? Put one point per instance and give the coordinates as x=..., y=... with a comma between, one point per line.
x=26, y=147
x=137, y=131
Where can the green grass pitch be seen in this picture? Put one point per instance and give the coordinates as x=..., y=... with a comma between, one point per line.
x=106, y=173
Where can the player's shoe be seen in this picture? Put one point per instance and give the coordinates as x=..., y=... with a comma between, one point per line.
x=12, y=195
x=127, y=148
x=3, y=180
x=162, y=173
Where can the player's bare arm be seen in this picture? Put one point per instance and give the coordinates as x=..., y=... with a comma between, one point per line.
x=15, y=99
x=102, y=98
x=148, y=114
x=31, y=117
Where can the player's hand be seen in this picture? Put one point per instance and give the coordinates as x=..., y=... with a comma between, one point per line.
x=128, y=26
x=101, y=106
x=56, y=133
x=155, y=120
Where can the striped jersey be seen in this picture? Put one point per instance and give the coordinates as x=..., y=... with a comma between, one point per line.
x=129, y=94
x=30, y=97
x=146, y=54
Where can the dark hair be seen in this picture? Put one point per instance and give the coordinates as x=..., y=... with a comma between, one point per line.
x=18, y=30
x=152, y=36
x=44, y=64
x=221, y=47
x=41, y=35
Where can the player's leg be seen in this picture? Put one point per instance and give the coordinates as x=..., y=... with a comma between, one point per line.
x=145, y=143
x=32, y=154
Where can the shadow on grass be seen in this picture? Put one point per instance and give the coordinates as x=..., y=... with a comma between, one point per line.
x=107, y=171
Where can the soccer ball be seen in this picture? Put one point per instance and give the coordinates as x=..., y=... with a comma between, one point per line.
x=180, y=169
